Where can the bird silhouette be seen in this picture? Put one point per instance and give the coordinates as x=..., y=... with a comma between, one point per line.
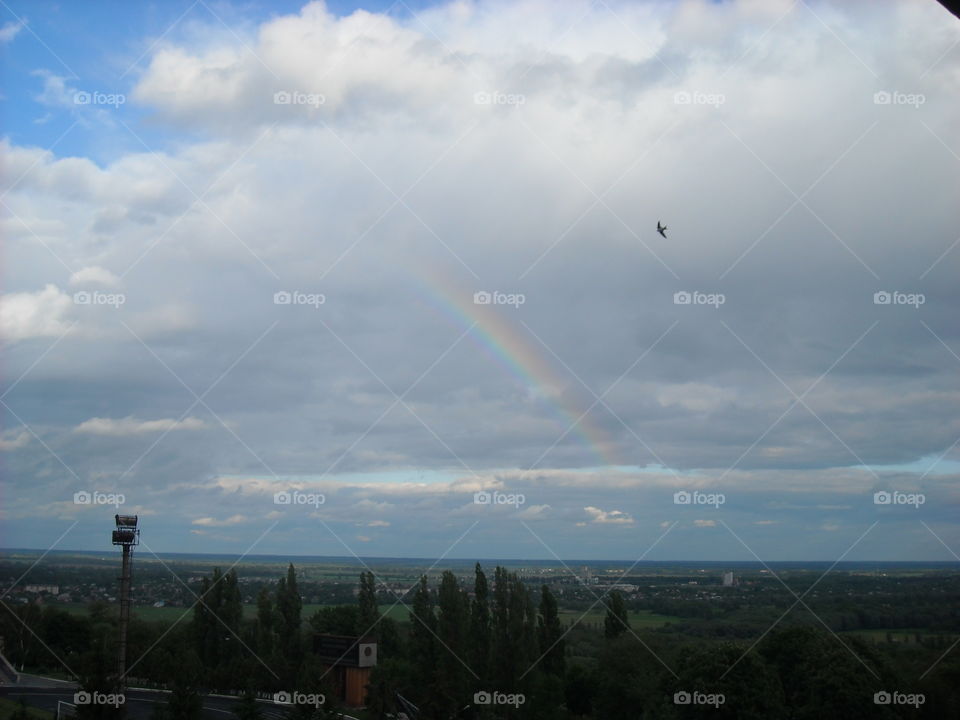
x=662, y=229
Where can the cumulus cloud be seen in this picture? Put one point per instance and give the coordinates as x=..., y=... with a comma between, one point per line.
x=132, y=426
x=43, y=313
x=237, y=519
x=462, y=151
x=609, y=517
x=14, y=439
x=10, y=30
x=94, y=276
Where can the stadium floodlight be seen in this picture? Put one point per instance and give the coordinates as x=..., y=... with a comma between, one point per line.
x=126, y=535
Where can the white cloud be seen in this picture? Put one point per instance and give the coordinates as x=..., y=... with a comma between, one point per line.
x=132, y=426
x=13, y=439
x=10, y=30
x=705, y=523
x=214, y=522
x=25, y=315
x=609, y=517
x=94, y=275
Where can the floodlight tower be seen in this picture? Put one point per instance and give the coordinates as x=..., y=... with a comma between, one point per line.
x=126, y=535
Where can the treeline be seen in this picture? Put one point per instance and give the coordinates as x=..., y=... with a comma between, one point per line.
x=488, y=648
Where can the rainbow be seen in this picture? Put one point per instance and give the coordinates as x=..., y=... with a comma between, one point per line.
x=517, y=352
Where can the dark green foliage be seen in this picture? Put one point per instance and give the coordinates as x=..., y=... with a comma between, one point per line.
x=550, y=635
x=368, y=611
x=616, y=622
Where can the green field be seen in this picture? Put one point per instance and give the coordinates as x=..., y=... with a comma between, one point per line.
x=644, y=619
x=903, y=636
x=638, y=620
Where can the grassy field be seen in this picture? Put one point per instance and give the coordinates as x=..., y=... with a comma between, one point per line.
x=903, y=636
x=640, y=620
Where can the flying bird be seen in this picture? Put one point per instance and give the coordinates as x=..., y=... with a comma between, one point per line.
x=662, y=229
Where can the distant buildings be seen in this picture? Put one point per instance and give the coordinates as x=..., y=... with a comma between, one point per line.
x=52, y=589
x=728, y=579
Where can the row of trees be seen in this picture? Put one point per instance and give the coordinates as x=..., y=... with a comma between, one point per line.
x=492, y=635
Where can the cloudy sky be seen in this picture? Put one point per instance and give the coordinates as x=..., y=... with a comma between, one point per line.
x=376, y=260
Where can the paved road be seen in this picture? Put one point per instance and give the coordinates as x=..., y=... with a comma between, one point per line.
x=139, y=703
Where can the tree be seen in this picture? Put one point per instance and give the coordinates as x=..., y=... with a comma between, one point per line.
x=264, y=631
x=247, y=708
x=335, y=620
x=452, y=677
x=579, y=689
x=750, y=687
x=616, y=622
x=98, y=679
x=820, y=677
x=550, y=635
x=423, y=645
x=288, y=621
x=184, y=702
x=480, y=628
x=513, y=632
x=369, y=611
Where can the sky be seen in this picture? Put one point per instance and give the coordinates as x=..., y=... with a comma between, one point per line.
x=385, y=279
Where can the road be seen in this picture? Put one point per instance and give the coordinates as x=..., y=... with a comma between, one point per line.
x=46, y=693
